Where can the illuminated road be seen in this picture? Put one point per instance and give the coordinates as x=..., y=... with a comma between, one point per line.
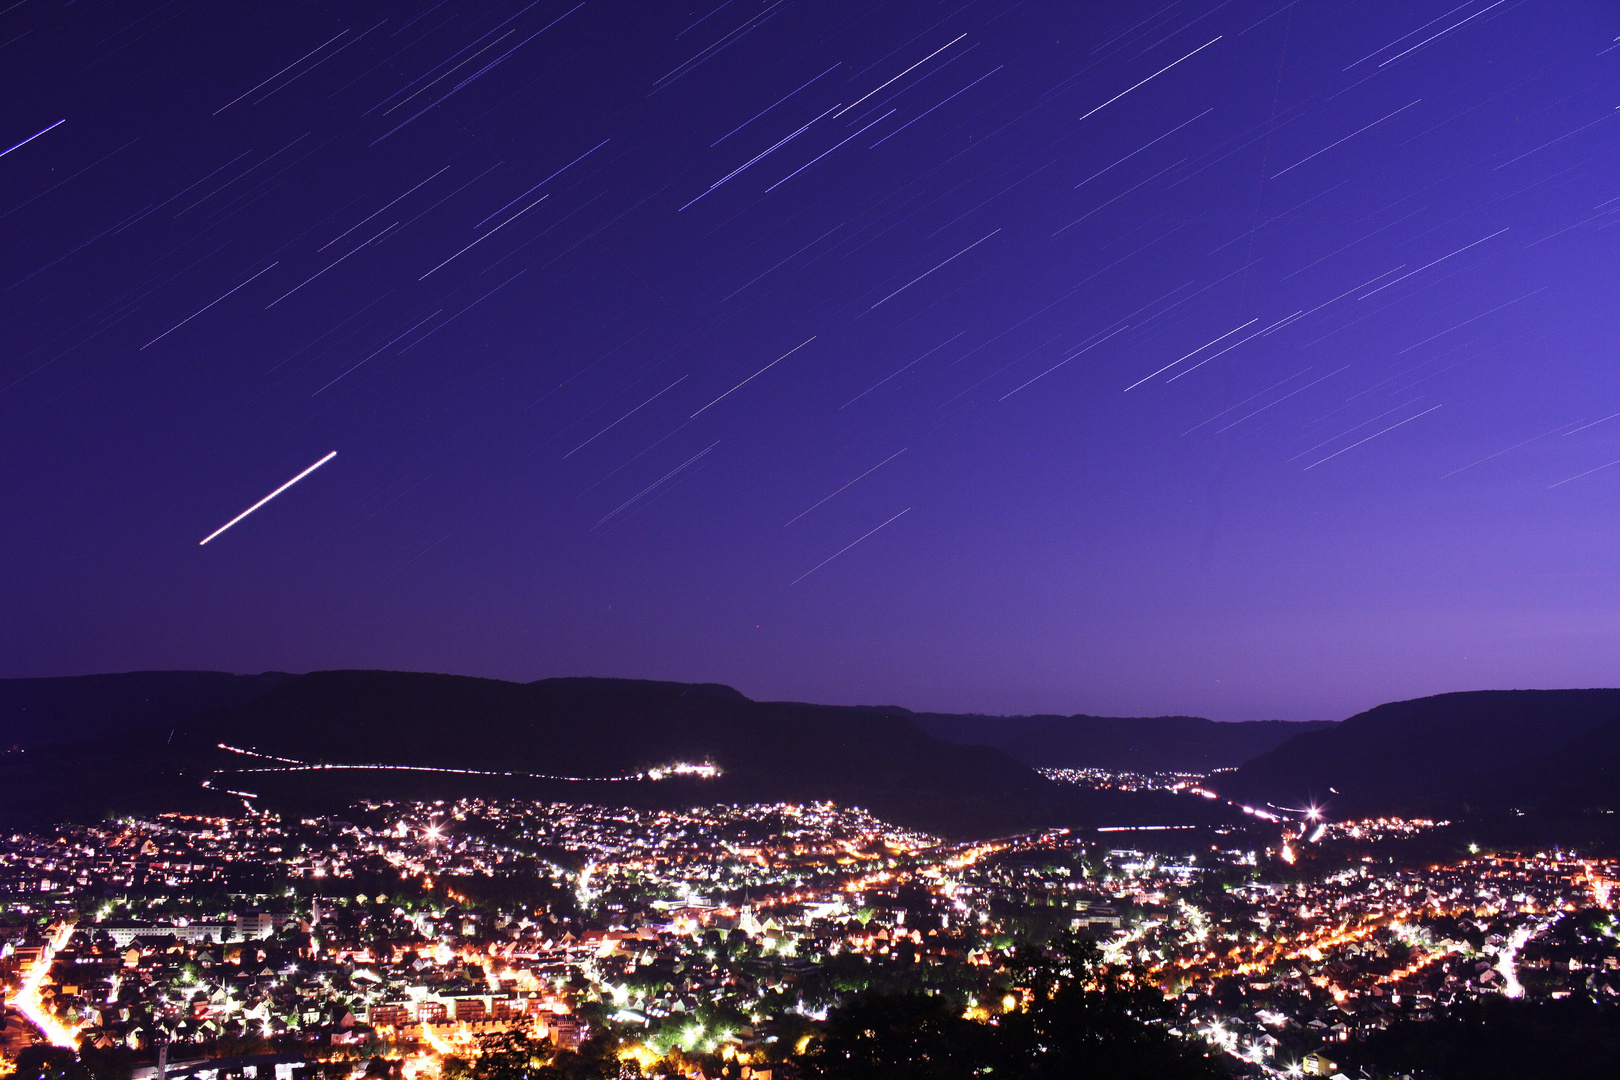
x=1507, y=959
x=28, y=1002
x=704, y=770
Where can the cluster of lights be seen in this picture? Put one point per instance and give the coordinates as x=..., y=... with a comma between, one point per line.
x=824, y=862
x=702, y=770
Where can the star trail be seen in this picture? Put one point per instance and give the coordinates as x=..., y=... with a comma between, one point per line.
x=1248, y=358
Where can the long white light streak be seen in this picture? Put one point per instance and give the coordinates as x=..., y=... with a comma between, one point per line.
x=1282, y=399
x=544, y=182
x=925, y=273
x=1151, y=77
x=205, y=307
x=924, y=113
x=1252, y=397
x=1060, y=363
x=377, y=351
x=827, y=151
x=1442, y=33
x=1195, y=352
x=1369, y=438
x=34, y=136
x=775, y=146
x=1346, y=139
x=918, y=64
x=845, y=548
x=1436, y=262
x=754, y=376
x=324, y=269
x=654, y=485
x=763, y=111
x=1588, y=472
x=373, y=214
x=487, y=235
x=849, y=485
x=280, y=73
x=908, y=367
x=1411, y=33
x=1561, y=138
x=1235, y=344
x=1594, y=423
x=1144, y=146
x=625, y=417
x=267, y=498
x=1516, y=446
x=1357, y=427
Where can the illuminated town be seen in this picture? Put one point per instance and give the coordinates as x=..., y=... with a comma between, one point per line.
x=711, y=942
x=783, y=540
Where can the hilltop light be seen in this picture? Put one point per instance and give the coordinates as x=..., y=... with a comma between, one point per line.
x=703, y=770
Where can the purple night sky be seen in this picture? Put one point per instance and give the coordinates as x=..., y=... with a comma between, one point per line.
x=529, y=268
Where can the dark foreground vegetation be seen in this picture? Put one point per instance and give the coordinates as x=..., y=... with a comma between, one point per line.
x=1080, y=1019
x=1499, y=1039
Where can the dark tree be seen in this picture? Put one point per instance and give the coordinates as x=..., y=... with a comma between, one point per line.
x=1082, y=1020
x=897, y=1037
x=49, y=1063
x=513, y=1055
x=1499, y=1038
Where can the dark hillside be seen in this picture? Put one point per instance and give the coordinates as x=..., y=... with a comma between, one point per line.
x=1579, y=777
x=1445, y=752
x=592, y=728
x=1131, y=744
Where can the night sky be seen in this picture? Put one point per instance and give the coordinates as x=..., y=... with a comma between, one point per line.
x=1246, y=359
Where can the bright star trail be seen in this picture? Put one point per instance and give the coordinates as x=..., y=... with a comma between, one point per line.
x=267, y=498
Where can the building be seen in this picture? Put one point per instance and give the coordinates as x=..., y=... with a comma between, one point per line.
x=255, y=926
x=1317, y=1063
